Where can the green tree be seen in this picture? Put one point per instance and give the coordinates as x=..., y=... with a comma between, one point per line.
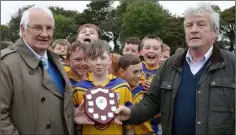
x=65, y=27
x=173, y=33
x=142, y=18
x=5, y=33
x=227, y=28
x=15, y=23
x=95, y=12
x=62, y=11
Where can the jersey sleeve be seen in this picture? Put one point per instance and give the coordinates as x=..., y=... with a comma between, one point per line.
x=78, y=96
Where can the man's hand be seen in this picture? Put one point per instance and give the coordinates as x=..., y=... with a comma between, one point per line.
x=146, y=84
x=123, y=113
x=80, y=117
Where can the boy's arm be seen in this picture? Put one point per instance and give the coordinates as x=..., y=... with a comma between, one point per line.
x=128, y=129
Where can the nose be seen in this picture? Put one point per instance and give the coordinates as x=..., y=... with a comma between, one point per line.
x=98, y=61
x=44, y=33
x=194, y=29
x=83, y=62
x=87, y=34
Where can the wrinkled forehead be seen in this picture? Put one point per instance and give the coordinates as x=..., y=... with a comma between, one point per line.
x=204, y=16
x=38, y=16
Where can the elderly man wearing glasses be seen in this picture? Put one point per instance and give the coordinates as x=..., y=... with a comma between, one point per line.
x=36, y=96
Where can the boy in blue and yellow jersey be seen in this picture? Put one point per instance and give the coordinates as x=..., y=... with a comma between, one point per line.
x=99, y=60
x=60, y=47
x=77, y=62
x=151, y=51
x=130, y=69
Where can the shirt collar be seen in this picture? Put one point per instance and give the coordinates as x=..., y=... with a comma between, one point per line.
x=36, y=54
x=149, y=68
x=189, y=57
x=90, y=78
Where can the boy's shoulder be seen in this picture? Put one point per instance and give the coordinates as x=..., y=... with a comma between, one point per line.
x=138, y=89
x=84, y=84
x=116, y=83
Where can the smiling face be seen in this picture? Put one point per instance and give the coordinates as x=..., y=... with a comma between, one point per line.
x=151, y=51
x=87, y=35
x=199, y=32
x=133, y=74
x=78, y=62
x=38, y=41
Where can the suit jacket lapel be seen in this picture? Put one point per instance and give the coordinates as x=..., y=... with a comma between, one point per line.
x=68, y=87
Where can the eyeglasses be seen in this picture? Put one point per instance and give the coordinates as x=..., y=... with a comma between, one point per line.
x=39, y=29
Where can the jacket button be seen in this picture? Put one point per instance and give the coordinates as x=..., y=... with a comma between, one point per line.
x=42, y=99
x=213, y=83
x=233, y=85
x=199, y=123
x=199, y=92
x=31, y=72
x=48, y=126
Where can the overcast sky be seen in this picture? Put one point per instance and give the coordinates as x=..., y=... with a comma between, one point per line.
x=9, y=8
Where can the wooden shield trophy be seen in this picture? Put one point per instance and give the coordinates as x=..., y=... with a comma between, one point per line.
x=100, y=105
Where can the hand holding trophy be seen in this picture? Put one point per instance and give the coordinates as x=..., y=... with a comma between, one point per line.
x=100, y=106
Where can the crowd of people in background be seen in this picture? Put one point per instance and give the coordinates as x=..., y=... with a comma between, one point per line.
x=43, y=82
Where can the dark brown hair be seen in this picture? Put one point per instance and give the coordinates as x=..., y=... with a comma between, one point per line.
x=128, y=59
x=97, y=48
x=72, y=48
x=134, y=41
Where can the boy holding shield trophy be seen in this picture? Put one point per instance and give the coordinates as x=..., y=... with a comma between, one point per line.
x=102, y=93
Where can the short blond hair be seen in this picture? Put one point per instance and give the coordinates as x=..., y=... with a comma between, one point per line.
x=151, y=37
x=165, y=47
x=63, y=42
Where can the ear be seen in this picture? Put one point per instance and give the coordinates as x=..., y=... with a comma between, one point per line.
x=121, y=72
x=22, y=28
x=215, y=33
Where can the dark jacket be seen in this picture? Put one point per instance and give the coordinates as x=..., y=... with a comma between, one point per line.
x=215, y=95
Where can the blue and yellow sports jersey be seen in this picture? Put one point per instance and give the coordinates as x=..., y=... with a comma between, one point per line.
x=148, y=72
x=68, y=72
x=123, y=95
x=150, y=126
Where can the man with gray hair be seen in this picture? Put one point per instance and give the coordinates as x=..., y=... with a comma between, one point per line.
x=195, y=90
x=36, y=96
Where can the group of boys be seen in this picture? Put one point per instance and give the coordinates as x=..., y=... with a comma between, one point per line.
x=89, y=63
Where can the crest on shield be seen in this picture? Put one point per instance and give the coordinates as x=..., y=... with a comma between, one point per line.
x=100, y=105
